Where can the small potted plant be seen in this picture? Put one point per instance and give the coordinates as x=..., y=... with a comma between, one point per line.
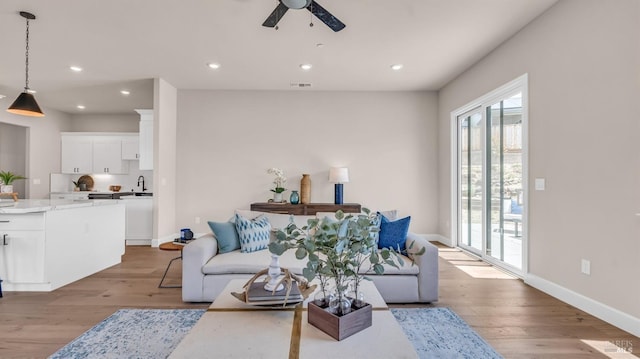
x=337, y=251
x=7, y=178
x=279, y=182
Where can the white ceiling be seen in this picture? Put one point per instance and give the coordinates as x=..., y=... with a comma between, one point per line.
x=125, y=43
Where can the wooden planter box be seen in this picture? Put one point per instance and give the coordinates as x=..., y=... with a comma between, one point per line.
x=340, y=327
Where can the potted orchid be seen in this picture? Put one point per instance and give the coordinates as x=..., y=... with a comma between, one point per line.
x=279, y=182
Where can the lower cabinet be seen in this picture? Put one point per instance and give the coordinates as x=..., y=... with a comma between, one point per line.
x=23, y=252
x=139, y=220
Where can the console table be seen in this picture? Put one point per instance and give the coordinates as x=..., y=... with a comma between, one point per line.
x=309, y=209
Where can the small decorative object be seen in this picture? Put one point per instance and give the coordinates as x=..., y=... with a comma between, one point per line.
x=76, y=186
x=7, y=179
x=115, y=188
x=85, y=183
x=279, y=182
x=273, y=285
x=254, y=293
x=305, y=189
x=337, y=252
x=338, y=175
x=294, y=198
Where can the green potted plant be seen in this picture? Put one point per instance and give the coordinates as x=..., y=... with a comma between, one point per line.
x=279, y=182
x=7, y=178
x=337, y=251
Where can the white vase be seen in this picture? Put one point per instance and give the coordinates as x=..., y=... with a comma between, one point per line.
x=6, y=188
x=277, y=197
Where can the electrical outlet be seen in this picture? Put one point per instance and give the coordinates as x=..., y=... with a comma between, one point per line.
x=586, y=267
x=197, y=220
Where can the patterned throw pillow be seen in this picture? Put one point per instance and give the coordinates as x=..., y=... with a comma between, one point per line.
x=253, y=233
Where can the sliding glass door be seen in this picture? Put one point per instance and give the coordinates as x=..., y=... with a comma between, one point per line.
x=491, y=194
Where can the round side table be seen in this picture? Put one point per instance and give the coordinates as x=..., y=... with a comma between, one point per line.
x=170, y=246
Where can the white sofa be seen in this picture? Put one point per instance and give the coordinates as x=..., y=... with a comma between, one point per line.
x=205, y=272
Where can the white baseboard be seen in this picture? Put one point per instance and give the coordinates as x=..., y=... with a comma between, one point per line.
x=610, y=315
x=438, y=238
x=138, y=242
x=156, y=242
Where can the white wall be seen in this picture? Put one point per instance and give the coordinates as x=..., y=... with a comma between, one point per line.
x=583, y=61
x=43, y=146
x=227, y=140
x=164, y=161
x=13, y=154
x=105, y=123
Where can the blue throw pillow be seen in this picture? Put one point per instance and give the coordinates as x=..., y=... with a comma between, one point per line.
x=226, y=235
x=393, y=234
x=254, y=234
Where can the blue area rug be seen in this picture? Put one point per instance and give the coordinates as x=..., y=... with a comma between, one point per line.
x=154, y=333
x=440, y=333
x=133, y=333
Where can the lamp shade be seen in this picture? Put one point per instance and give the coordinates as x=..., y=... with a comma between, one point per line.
x=338, y=175
x=26, y=105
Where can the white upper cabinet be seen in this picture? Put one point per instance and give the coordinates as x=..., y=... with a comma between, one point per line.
x=77, y=154
x=131, y=148
x=107, y=156
x=86, y=152
x=146, y=139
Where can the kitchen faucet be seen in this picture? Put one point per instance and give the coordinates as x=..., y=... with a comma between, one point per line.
x=143, y=187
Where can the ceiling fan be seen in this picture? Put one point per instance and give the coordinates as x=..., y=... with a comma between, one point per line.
x=315, y=8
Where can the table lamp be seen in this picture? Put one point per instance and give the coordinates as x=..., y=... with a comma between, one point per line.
x=338, y=175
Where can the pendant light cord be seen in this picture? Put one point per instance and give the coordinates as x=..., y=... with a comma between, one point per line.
x=26, y=63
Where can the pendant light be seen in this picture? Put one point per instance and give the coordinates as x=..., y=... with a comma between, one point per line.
x=26, y=104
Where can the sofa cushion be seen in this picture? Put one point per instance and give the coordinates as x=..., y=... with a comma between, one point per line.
x=226, y=235
x=237, y=262
x=393, y=234
x=407, y=267
x=253, y=233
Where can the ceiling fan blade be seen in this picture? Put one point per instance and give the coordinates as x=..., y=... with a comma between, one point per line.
x=276, y=15
x=326, y=17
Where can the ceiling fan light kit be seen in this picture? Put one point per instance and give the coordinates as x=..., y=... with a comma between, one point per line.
x=26, y=104
x=321, y=13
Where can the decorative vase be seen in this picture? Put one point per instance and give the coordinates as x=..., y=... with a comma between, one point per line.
x=6, y=188
x=305, y=189
x=294, y=198
x=277, y=197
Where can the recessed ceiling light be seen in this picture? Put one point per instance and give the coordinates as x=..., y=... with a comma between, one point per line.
x=80, y=107
x=319, y=44
x=306, y=67
x=213, y=65
x=396, y=67
x=125, y=92
x=75, y=68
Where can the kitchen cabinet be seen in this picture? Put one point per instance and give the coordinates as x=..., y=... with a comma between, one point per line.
x=131, y=148
x=139, y=220
x=77, y=154
x=146, y=139
x=84, y=152
x=107, y=156
x=74, y=196
x=46, y=245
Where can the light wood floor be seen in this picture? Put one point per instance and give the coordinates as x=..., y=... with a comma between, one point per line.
x=517, y=320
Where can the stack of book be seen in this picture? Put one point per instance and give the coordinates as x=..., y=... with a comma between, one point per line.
x=256, y=294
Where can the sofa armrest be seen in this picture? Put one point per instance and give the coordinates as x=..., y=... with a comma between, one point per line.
x=194, y=256
x=428, y=264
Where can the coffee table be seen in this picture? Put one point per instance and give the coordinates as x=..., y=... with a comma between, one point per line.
x=232, y=329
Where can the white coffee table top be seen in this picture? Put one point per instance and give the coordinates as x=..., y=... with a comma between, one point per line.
x=232, y=329
x=226, y=301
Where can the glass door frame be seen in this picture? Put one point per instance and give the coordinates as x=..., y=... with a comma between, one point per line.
x=519, y=84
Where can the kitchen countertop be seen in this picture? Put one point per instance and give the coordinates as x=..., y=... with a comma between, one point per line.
x=44, y=205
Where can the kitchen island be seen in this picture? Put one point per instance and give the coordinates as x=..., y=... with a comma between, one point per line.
x=47, y=244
